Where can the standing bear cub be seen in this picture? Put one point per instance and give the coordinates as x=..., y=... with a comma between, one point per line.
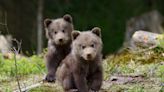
x=58, y=33
x=81, y=70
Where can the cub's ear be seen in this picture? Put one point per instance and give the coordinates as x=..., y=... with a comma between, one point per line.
x=47, y=22
x=96, y=31
x=67, y=18
x=75, y=34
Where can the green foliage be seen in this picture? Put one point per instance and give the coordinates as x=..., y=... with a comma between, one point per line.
x=148, y=64
x=137, y=89
x=160, y=72
x=55, y=88
x=162, y=89
x=26, y=66
x=161, y=41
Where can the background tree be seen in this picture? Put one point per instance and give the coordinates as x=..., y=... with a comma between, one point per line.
x=40, y=26
x=109, y=15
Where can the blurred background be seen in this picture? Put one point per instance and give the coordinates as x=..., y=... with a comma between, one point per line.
x=118, y=19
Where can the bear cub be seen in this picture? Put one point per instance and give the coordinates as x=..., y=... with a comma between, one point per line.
x=81, y=70
x=58, y=33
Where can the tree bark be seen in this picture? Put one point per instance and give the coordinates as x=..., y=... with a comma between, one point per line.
x=39, y=27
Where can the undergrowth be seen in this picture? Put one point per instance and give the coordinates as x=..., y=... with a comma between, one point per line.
x=149, y=64
x=26, y=66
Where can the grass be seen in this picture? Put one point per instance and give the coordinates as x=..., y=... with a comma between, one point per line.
x=148, y=64
x=27, y=68
x=26, y=65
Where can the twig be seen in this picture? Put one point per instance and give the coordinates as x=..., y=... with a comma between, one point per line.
x=16, y=51
x=16, y=71
x=30, y=87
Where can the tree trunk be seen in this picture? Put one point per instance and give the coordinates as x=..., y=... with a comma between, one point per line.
x=39, y=27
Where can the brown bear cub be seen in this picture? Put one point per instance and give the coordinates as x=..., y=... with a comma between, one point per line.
x=58, y=33
x=81, y=70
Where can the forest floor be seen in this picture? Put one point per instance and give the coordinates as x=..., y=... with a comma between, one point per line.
x=123, y=72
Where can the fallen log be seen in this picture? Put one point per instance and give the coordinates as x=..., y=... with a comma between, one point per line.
x=29, y=87
x=145, y=39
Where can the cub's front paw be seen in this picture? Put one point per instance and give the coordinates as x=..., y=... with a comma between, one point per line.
x=50, y=78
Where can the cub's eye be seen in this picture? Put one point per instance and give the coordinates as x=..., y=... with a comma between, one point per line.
x=63, y=31
x=92, y=45
x=55, y=32
x=83, y=47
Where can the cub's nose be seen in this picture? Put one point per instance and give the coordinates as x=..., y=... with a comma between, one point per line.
x=89, y=56
x=60, y=40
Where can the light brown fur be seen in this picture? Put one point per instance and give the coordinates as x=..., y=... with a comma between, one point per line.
x=58, y=33
x=82, y=68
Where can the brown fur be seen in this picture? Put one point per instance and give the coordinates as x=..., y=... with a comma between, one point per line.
x=78, y=70
x=58, y=33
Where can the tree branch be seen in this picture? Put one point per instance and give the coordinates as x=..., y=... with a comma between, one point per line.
x=16, y=51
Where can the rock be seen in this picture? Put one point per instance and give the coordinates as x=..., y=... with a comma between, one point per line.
x=144, y=39
x=151, y=21
x=5, y=43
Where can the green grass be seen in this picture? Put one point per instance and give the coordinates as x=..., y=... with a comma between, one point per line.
x=27, y=68
x=149, y=64
x=26, y=65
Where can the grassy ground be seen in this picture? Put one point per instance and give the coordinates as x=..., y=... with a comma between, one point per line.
x=139, y=72
x=123, y=72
